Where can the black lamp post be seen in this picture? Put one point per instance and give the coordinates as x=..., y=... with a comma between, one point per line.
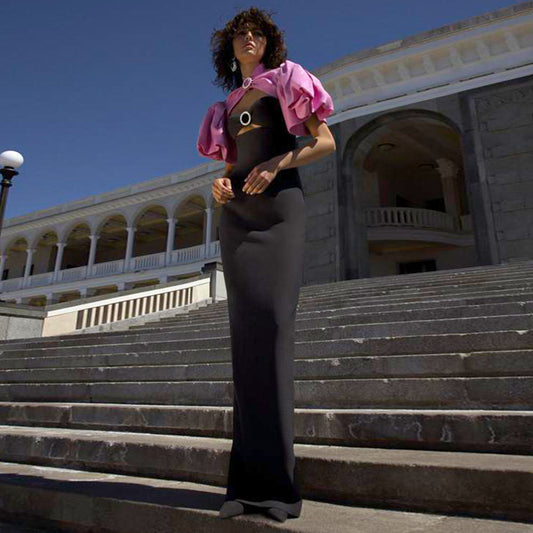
x=9, y=162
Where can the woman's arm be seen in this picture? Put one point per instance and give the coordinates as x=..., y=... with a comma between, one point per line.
x=322, y=144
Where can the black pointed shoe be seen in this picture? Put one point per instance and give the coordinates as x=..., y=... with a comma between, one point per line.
x=278, y=514
x=231, y=508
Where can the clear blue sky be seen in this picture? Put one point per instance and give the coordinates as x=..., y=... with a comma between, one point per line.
x=100, y=94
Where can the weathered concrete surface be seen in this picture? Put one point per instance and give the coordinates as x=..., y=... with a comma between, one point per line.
x=414, y=394
x=85, y=501
x=488, y=485
x=432, y=429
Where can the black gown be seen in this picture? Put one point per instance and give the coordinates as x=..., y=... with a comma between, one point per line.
x=262, y=248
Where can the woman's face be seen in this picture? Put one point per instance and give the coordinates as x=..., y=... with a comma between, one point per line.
x=249, y=44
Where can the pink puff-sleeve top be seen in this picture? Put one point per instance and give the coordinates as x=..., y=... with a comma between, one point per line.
x=299, y=92
x=213, y=138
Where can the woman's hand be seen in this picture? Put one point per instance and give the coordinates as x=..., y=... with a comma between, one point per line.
x=221, y=190
x=261, y=176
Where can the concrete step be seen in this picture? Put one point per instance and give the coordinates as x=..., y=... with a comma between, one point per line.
x=412, y=393
x=401, y=284
x=413, y=296
x=218, y=348
x=506, y=363
x=465, y=275
x=429, y=288
x=194, y=338
x=493, y=302
x=514, y=393
x=484, y=484
x=489, y=272
x=406, y=295
x=80, y=501
x=475, y=364
x=515, y=302
x=432, y=429
x=349, y=328
x=336, y=307
x=409, y=302
x=453, y=319
x=484, y=305
x=340, y=316
x=424, y=277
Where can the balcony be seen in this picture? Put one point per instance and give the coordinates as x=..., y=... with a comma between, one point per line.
x=142, y=263
x=407, y=223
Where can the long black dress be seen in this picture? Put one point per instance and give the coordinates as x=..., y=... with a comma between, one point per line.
x=262, y=250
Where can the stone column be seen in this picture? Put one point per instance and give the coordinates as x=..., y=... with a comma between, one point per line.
x=208, y=222
x=92, y=254
x=3, y=259
x=353, y=241
x=448, y=173
x=476, y=180
x=170, y=238
x=129, y=247
x=347, y=200
x=59, y=259
x=29, y=255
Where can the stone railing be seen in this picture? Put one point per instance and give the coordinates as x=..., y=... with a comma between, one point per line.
x=159, y=260
x=408, y=216
x=100, y=313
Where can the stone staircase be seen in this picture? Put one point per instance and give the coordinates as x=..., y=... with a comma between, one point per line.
x=414, y=411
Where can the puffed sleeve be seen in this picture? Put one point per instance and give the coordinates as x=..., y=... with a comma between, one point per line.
x=301, y=94
x=213, y=139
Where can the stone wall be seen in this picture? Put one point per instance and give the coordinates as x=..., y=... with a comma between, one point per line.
x=497, y=124
x=503, y=117
x=319, y=185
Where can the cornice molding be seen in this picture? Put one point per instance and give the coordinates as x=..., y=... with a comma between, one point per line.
x=39, y=219
x=515, y=12
x=481, y=55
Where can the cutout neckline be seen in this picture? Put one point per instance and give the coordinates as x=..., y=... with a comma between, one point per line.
x=238, y=113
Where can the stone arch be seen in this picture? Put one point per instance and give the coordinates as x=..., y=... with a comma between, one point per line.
x=354, y=187
x=45, y=246
x=151, y=226
x=67, y=230
x=112, y=238
x=15, y=262
x=191, y=221
x=77, y=245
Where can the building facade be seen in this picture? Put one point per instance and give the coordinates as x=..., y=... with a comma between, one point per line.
x=433, y=170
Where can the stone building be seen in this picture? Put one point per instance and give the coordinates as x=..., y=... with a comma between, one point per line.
x=433, y=170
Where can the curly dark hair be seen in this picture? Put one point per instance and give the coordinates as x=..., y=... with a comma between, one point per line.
x=222, y=45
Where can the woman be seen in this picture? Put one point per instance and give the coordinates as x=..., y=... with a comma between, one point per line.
x=262, y=233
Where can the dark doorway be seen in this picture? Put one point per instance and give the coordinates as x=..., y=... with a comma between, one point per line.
x=428, y=265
